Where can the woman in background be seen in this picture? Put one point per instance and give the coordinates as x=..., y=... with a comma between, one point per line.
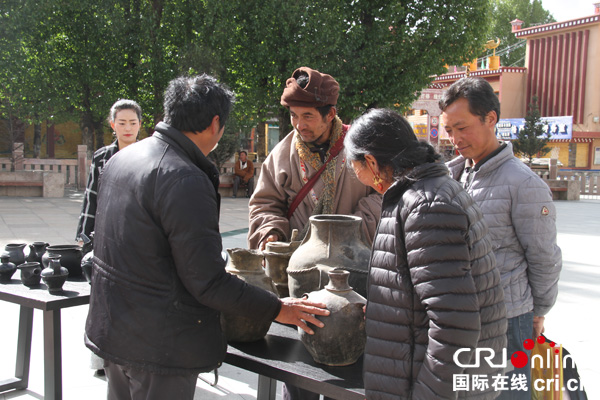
x=433, y=286
x=125, y=119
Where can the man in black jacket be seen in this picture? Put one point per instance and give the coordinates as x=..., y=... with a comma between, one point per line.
x=158, y=282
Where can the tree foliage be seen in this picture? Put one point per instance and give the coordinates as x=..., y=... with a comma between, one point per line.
x=382, y=53
x=531, y=12
x=60, y=59
x=533, y=138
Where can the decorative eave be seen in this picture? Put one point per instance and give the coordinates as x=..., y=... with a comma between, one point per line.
x=557, y=26
x=480, y=72
x=573, y=140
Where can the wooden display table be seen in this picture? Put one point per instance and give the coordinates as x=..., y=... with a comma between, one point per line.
x=74, y=293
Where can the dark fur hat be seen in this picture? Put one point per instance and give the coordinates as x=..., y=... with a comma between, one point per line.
x=321, y=90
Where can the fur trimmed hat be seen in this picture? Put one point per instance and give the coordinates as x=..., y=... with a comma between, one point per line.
x=321, y=90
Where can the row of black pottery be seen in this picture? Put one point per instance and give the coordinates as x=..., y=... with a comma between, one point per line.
x=41, y=252
x=325, y=266
x=52, y=264
x=54, y=276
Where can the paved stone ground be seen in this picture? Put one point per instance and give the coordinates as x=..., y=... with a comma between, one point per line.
x=571, y=322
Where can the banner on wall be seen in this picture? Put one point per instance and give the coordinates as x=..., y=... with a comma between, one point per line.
x=557, y=127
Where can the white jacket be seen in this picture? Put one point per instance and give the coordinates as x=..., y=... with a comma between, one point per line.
x=517, y=206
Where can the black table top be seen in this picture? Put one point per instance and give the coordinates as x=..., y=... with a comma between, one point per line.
x=282, y=356
x=75, y=292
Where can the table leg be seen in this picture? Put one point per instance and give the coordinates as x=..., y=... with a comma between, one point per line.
x=52, y=356
x=21, y=379
x=267, y=388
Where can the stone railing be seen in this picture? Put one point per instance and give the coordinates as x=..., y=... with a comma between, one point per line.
x=75, y=171
x=586, y=183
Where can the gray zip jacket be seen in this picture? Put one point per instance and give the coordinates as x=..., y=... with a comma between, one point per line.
x=517, y=206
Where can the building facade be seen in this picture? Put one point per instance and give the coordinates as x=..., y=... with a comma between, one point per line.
x=561, y=72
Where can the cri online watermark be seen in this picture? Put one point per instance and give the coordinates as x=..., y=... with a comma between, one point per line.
x=519, y=359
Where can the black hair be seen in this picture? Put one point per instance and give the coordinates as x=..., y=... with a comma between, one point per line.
x=242, y=151
x=302, y=80
x=124, y=104
x=390, y=139
x=478, y=92
x=192, y=102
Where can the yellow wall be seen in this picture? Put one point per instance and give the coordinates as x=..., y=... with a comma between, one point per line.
x=583, y=152
x=67, y=137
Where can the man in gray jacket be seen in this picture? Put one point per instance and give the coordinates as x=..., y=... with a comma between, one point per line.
x=517, y=206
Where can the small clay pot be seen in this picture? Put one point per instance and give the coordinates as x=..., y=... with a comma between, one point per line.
x=70, y=257
x=7, y=269
x=246, y=265
x=15, y=252
x=36, y=251
x=342, y=340
x=31, y=273
x=55, y=275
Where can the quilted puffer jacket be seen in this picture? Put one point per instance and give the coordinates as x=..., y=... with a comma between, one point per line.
x=517, y=206
x=433, y=290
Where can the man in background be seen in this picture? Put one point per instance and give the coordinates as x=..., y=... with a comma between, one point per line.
x=243, y=172
x=281, y=201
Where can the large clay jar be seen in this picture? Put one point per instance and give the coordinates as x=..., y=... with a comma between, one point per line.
x=36, y=251
x=246, y=265
x=7, y=269
x=30, y=273
x=277, y=257
x=70, y=257
x=332, y=241
x=15, y=252
x=55, y=275
x=342, y=340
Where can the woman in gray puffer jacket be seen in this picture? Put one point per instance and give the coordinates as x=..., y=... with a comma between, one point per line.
x=433, y=285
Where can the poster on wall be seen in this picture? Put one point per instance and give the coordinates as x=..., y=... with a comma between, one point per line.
x=557, y=127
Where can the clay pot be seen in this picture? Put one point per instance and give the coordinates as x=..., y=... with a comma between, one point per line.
x=30, y=273
x=277, y=257
x=36, y=251
x=55, y=275
x=342, y=340
x=7, y=269
x=332, y=241
x=15, y=252
x=246, y=265
x=70, y=257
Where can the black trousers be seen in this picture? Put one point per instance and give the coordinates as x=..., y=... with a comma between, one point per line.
x=131, y=384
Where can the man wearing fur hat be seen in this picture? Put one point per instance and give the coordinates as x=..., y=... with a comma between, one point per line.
x=311, y=156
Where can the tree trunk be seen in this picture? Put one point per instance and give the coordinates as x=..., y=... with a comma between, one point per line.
x=37, y=140
x=99, y=132
x=285, y=126
x=260, y=144
x=87, y=133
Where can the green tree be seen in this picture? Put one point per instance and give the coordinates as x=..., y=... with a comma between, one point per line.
x=381, y=52
x=533, y=138
x=23, y=83
x=531, y=12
